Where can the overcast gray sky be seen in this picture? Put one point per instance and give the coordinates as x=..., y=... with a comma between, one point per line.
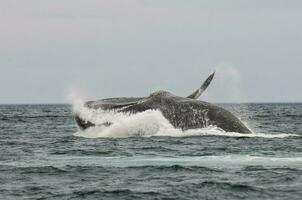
x=51, y=49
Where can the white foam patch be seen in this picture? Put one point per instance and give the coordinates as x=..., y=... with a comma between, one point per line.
x=224, y=161
x=220, y=161
x=145, y=124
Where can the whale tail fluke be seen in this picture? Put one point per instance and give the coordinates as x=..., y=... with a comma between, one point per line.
x=196, y=94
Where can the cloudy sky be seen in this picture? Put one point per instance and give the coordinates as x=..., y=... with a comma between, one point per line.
x=52, y=49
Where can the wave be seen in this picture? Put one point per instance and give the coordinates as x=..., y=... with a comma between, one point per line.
x=205, y=161
x=58, y=164
x=149, y=123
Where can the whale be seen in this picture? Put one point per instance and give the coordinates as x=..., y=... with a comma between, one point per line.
x=182, y=112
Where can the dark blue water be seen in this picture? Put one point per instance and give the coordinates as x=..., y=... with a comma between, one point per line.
x=40, y=158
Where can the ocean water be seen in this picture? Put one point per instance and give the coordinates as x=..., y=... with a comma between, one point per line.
x=44, y=156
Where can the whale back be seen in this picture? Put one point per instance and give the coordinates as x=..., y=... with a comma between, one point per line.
x=185, y=113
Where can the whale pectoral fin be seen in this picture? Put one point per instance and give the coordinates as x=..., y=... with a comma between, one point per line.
x=203, y=87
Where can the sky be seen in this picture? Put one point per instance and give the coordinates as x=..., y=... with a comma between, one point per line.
x=51, y=50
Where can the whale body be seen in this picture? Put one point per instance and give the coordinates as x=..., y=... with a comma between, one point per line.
x=182, y=112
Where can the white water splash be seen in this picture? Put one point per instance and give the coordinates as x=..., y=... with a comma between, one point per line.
x=145, y=124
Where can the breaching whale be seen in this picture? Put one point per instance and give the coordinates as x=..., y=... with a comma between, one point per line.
x=182, y=112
